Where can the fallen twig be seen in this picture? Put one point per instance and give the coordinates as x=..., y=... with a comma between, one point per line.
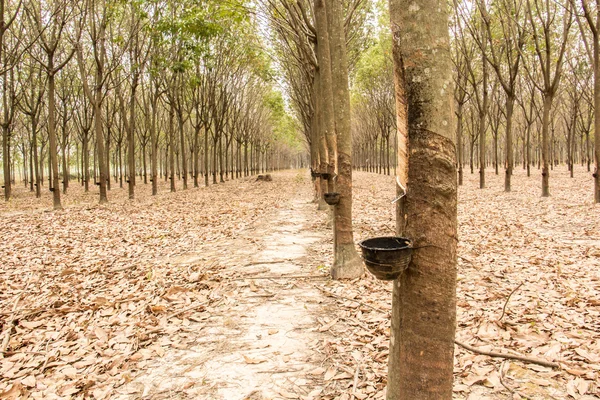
x=501, y=376
x=190, y=308
x=507, y=299
x=243, y=278
x=465, y=259
x=266, y=262
x=530, y=360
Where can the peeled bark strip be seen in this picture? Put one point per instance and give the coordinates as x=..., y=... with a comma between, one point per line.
x=325, y=113
x=424, y=297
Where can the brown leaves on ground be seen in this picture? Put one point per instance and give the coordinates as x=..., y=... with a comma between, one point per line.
x=89, y=295
x=86, y=293
x=549, y=245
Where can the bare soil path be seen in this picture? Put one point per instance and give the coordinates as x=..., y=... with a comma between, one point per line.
x=260, y=343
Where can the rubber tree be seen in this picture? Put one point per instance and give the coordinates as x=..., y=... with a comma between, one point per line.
x=9, y=49
x=527, y=102
x=462, y=95
x=505, y=61
x=591, y=14
x=53, y=39
x=477, y=78
x=324, y=99
x=346, y=263
x=424, y=296
x=543, y=15
x=31, y=105
x=98, y=11
x=138, y=51
x=65, y=93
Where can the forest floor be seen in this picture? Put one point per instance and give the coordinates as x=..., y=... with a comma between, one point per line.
x=223, y=293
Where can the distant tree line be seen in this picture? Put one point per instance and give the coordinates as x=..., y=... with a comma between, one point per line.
x=110, y=92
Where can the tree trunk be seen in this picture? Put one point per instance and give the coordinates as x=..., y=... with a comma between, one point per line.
x=172, y=148
x=196, y=155
x=496, y=169
x=546, y=146
x=107, y=159
x=424, y=297
x=131, y=142
x=587, y=149
x=596, y=174
x=482, y=145
x=528, y=149
x=52, y=142
x=318, y=121
x=221, y=168
x=459, y=141
x=144, y=165
x=103, y=177
x=510, y=105
x=206, y=157
x=347, y=264
x=65, y=171
x=154, y=147
x=121, y=164
x=31, y=174
x=214, y=161
x=36, y=162
x=184, y=168
x=6, y=159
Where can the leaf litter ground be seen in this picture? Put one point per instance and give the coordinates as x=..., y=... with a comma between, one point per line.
x=223, y=293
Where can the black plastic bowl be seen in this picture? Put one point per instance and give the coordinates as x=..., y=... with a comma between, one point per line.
x=386, y=257
x=332, y=198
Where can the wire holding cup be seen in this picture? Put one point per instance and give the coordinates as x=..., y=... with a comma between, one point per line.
x=404, y=190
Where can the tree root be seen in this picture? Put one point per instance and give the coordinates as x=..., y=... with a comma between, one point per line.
x=530, y=360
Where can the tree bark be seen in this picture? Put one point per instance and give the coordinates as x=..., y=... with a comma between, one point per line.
x=347, y=264
x=424, y=297
x=184, y=168
x=325, y=113
x=103, y=176
x=596, y=174
x=459, y=141
x=482, y=115
x=321, y=144
x=53, y=174
x=6, y=160
x=510, y=105
x=172, y=148
x=546, y=146
x=206, y=156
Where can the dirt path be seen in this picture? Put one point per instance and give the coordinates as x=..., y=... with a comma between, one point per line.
x=259, y=341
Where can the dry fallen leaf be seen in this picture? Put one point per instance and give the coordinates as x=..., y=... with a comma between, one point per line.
x=254, y=360
x=317, y=371
x=15, y=391
x=330, y=373
x=29, y=381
